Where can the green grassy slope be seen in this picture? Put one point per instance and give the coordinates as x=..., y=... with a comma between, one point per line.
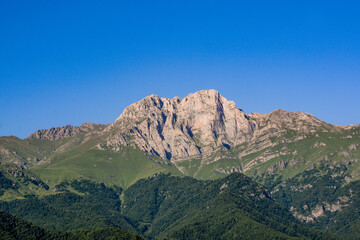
x=17, y=182
x=290, y=157
x=80, y=159
x=281, y=155
x=120, y=168
x=16, y=150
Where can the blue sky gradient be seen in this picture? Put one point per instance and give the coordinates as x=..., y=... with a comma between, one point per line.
x=68, y=62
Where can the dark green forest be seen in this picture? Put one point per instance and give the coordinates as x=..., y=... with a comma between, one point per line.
x=161, y=206
x=324, y=188
x=13, y=228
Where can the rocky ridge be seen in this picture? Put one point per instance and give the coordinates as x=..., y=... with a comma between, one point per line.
x=202, y=131
x=200, y=125
x=204, y=126
x=178, y=129
x=67, y=131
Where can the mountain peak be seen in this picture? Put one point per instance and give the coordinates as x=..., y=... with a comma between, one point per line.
x=206, y=92
x=209, y=97
x=152, y=102
x=181, y=128
x=202, y=124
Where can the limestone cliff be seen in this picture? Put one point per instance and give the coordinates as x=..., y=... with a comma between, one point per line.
x=197, y=125
x=176, y=129
x=62, y=132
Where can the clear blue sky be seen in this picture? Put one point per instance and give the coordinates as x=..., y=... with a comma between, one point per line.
x=68, y=62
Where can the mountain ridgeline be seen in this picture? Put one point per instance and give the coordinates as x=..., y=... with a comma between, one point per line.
x=309, y=167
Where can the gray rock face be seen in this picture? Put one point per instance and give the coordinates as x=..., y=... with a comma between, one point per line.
x=62, y=132
x=177, y=129
x=281, y=119
x=201, y=124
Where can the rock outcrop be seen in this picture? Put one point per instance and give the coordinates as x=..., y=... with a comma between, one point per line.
x=201, y=124
x=176, y=129
x=62, y=132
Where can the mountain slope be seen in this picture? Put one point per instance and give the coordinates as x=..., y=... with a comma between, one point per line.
x=182, y=207
x=80, y=204
x=206, y=136
x=12, y=228
x=230, y=208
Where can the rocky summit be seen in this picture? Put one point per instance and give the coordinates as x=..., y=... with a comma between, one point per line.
x=203, y=125
x=201, y=135
x=178, y=129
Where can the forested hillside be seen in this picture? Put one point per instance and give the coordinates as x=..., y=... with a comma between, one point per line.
x=166, y=206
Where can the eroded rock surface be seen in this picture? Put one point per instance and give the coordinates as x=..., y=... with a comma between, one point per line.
x=176, y=129
x=62, y=132
x=199, y=125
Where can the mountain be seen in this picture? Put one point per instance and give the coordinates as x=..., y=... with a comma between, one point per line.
x=202, y=135
x=181, y=129
x=309, y=166
x=205, y=136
